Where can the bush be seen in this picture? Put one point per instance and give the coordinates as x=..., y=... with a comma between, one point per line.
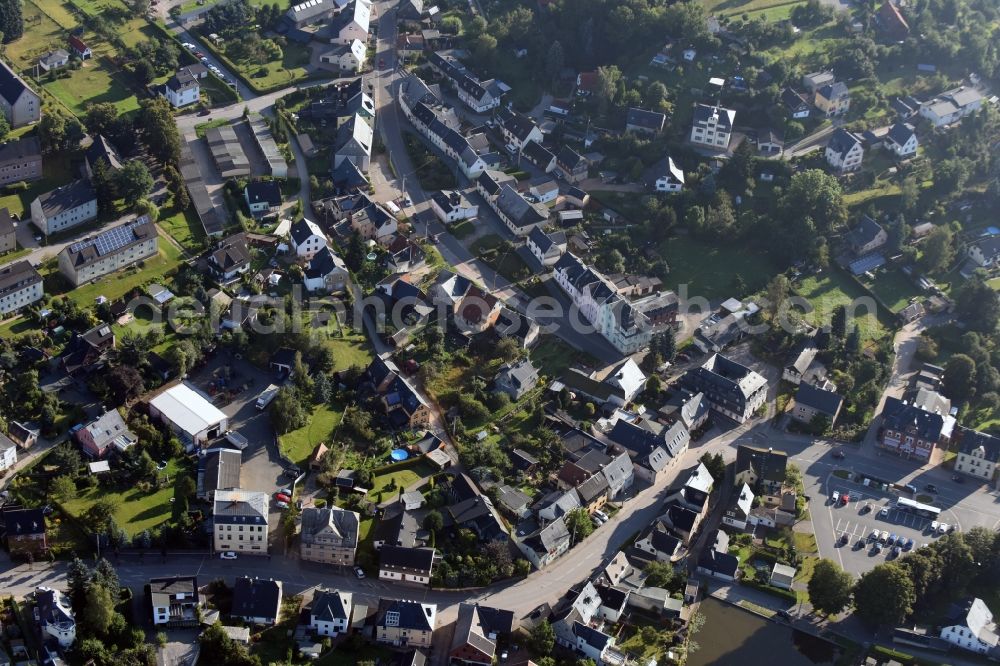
x=787, y=595
x=19, y=186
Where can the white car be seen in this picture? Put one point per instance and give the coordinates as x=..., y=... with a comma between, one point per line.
x=883, y=512
x=189, y=46
x=934, y=526
x=281, y=505
x=603, y=517
x=204, y=59
x=359, y=572
x=943, y=528
x=228, y=555
x=835, y=497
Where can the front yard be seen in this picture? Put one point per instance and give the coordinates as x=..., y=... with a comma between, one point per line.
x=298, y=444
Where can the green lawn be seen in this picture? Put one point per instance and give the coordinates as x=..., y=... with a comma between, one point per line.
x=298, y=444
x=382, y=484
x=118, y=284
x=831, y=289
x=59, y=12
x=552, y=356
x=16, y=326
x=710, y=270
x=184, y=227
x=894, y=288
x=462, y=229
x=738, y=7
x=92, y=84
x=55, y=172
x=277, y=73
x=41, y=34
x=13, y=255
x=373, y=653
x=137, y=511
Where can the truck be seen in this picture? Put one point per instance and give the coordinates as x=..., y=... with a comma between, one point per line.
x=265, y=398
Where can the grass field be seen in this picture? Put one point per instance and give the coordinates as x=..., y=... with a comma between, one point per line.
x=56, y=171
x=41, y=34
x=710, y=271
x=552, y=356
x=277, y=74
x=298, y=444
x=118, y=284
x=393, y=480
x=894, y=288
x=831, y=289
x=93, y=83
x=59, y=11
x=738, y=7
x=137, y=510
x=184, y=227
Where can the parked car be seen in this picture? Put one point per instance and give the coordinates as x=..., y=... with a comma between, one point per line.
x=883, y=512
x=286, y=491
x=908, y=545
x=891, y=540
x=835, y=497
x=838, y=454
x=896, y=551
x=931, y=488
x=281, y=497
x=359, y=572
x=783, y=614
x=873, y=536
x=281, y=505
x=934, y=526
x=603, y=517
x=958, y=478
x=843, y=539
x=943, y=528
x=883, y=537
x=199, y=54
x=866, y=507
x=845, y=498
x=228, y=555
x=860, y=544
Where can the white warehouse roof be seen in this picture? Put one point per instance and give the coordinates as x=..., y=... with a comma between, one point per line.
x=187, y=409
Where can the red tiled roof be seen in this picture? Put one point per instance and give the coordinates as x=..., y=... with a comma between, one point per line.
x=78, y=44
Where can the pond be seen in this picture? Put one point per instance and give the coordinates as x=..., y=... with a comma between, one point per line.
x=734, y=636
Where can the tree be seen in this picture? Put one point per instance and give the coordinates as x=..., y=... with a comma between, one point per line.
x=938, y=249
x=64, y=488
x=218, y=648
x=66, y=458
x=884, y=595
x=101, y=512
x=159, y=129
x=133, y=181
x=287, y=411
x=777, y=294
x=542, y=639
x=11, y=20
x=124, y=383
x=829, y=588
x=98, y=611
x=433, y=521
x=978, y=304
x=186, y=487
x=608, y=78
x=658, y=574
x=656, y=95
x=554, y=61
x=100, y=118
x=4, y=127
x=715, y=464
x=959, y=377
x=579, y=524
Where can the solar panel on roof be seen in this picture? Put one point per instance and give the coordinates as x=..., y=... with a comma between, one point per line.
x=111, y=240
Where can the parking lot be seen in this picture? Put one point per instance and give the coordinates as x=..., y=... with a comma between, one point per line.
x=854, y=520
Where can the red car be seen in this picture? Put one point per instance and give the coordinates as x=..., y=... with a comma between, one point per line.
x=281, y=497
x=845, y=498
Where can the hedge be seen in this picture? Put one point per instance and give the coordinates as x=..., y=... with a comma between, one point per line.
x=787, y=595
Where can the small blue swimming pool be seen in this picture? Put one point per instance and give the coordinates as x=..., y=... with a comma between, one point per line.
x=399, y=454
x=993, y=231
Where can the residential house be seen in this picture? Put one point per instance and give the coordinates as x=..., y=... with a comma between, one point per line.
x=263, y=197
x=24, y=436
x=689, y=408
x=477, y=95
x=326, y=271
x=985, y=252
x=513, y=501
x=86, y=353
x=740, y=505
x=231, y=257
x=8, y=452
x=717, y=562
x=909, y=430
x=845, y=151
x=518, y=130
x=478, y=629
x=109, y=251
x=257, y=600
x=890, y=22
x=544, y=190
x=307, y=239
x=65, y=207
x=516, y=379
x=404, y=623
x=105, y=433
x=712, y=126
x=404, y=256
x=546, y=247
x=613, y=602
x=812, y=402
x=373, y=222
x=816, y=80
x=20, y=104
x=795, y=104
x=593, y=493
x=311, y=12
x=80, y=47
x=832, y=99
x=20, y=160
x=350, y=25
x=573, y=629
x=556, y=504
x=26, y=533
x=978, y=454
x=20, y=286
x=218, y=469
x=175, y=601
x=571, y=166
x=410, y=10
x=574, y=196
x=795, y=371
x=453, y=206
x=52, y=60
x=731, y=389
x=330, y=613
x=951, y=106
x=192, y=417
x=670, y=178
x=240, y=521
x=661, y=543
x=519, y=214
x=642, y=121
x=354, y=142
x=54, y=614
x=902, y=140
x=546, y=544
x=647, y=450
x=971, y=627
x=535, y=153
x=406, y=565
x=346, y=58
x=867, y=236
x=761, y=469
x=182, y=88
